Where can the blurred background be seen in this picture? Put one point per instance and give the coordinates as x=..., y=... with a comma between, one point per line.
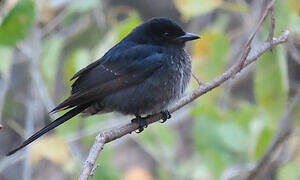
x=222, y=135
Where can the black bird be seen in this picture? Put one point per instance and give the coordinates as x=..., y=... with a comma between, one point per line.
x=143, y=74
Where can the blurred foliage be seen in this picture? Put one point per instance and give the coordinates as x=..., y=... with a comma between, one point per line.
x=222, y=135
x=6, y=55
x=17, y=23
x=52, y=148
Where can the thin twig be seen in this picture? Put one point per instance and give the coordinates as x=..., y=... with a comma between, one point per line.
x=283, y=133
x=248, y=43
x=3, y=91
x=94, y=169
x=54, y=22
x=197, y=79
x=272, y=26
x=269, y=7
x=88, y=166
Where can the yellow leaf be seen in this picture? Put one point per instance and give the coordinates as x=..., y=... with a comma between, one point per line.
x=202, y=48
x=196, y=7
x=137, y=172
x=52, y=148
x=295, y=6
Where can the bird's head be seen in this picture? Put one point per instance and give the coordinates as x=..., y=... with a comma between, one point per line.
x=162, y=31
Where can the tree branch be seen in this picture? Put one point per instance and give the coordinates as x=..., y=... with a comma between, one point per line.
x=284, y=131
x=244, y=61
x=197, y=79
x=113, y=134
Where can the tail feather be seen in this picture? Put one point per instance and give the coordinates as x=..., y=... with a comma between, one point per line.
x=51, y=126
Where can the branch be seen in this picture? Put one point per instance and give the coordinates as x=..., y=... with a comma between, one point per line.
x=113, y=134
x=197, y=79
x=272, y=26
x=244, y=61
x=284, y=131
x=54, y=22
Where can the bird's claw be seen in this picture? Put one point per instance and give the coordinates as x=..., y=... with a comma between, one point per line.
x=141, y=122
x=165, y=116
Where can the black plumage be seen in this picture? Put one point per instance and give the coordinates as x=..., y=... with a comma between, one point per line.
x=143, y=74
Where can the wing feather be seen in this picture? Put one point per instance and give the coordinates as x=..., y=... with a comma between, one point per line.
x=131, y=67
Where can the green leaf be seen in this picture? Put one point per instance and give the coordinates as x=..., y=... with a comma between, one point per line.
x=79, y=59
x=270, y=85
x=49, y=59
x=6, y=56
x=69, y=126
x=126, y=27
x=206, y=134
x=294, y=23
x=209, y=58
x=235, y=7
x=83, y=5
x=263, y=142
x=217, y=162
x=233, y=137
x=244, y=114
x=211, y=51
x=17, y=23
x=282, y=12
x=197, y=7
x=165, y=134
x=82, y=59
x=290, y=170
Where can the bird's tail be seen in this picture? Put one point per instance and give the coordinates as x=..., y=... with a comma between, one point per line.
x=51, y=126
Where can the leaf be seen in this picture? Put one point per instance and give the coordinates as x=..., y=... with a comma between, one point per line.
x=191, y=8
x=82, y=5
x=49, y=59
x=126, y=27
x=282, y=12
x=235, y=7
x=6, y=57
x=270, y=85
x=82, y=59
x=211, y=52
x=217, y=162
x=137, y=172
x=79, y=59
x=206, y=134
x=263, y=142
x=233, y=137
x=209, y=57
x=294, y=25
x=17, y=23
x=294, y=6
x=165, y=134
x=244, y=114
x=290, y=170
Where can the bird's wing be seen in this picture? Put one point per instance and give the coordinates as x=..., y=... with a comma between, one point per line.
x=131, y=67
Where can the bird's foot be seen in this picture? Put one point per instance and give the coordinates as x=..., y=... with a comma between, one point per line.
x=141, y=121
x=165, y=116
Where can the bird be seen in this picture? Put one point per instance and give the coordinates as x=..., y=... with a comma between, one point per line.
x=143, y=74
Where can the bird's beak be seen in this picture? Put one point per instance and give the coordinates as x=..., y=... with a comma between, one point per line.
x=187, y=37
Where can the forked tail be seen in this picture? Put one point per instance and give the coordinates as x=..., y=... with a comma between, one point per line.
x=51, y=126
